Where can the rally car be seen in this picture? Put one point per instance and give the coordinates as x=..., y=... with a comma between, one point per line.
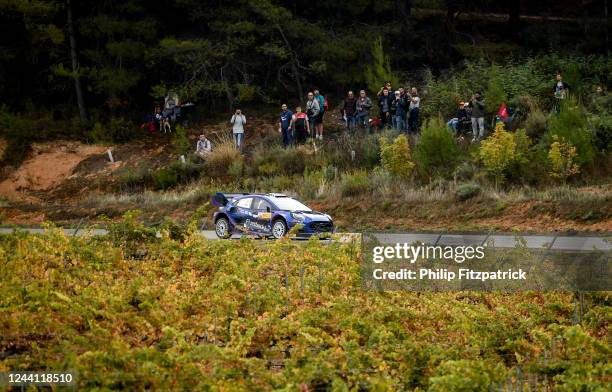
x=267, y=215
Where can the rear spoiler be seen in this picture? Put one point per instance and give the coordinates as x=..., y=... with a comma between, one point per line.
x=221, y=199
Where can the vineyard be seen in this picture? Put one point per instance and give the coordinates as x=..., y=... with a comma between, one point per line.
x=135, y=311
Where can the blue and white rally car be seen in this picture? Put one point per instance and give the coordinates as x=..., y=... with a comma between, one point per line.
x=267, y=215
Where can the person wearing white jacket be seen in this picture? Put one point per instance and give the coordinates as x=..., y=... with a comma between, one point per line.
x=238, y=120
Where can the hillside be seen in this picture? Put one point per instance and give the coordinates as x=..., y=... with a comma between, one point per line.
x=69, y=182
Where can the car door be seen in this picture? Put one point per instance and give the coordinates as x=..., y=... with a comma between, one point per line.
x=243, y=211
x=263, y=210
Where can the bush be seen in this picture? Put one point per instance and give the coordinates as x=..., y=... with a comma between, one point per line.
x=176, y=173
x=436, y=152
x=395, y=157
x=571, y=125
x=466, y=375
x=467, y=191
x=355, y=184
x=118, y=130
x=180, y=142
x=465, y=172
x=277, y=160
x=562, y=156
x=498, y=153
x=221, y=159
x=367, y=152
x=536, y=124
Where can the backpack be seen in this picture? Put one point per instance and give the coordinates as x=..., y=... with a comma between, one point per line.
x=325, y=104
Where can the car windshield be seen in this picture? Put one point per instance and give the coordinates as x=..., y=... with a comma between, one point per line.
x=289, y=204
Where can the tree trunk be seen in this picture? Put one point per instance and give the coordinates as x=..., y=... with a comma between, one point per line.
x=294, y=64
x=75, y=65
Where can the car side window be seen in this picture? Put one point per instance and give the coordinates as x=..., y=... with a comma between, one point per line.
x=244, y=203
x=262, y=205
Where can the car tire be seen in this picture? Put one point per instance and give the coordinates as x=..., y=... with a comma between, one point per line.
x=279, y=228
x=223, y=229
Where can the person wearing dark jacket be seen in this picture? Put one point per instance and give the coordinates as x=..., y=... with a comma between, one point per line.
x=363, y=106
x=349, y=110
x=461, y=116
x=399, y=116
x=384, y=104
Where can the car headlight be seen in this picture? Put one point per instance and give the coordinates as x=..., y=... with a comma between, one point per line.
x=297, y=217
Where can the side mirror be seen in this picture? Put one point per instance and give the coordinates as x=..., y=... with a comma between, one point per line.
x=233, y=209
x=268, y=209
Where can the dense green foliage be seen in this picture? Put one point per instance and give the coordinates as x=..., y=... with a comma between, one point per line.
x=135, y=311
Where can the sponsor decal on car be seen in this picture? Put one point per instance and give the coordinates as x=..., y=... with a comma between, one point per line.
x=249, y=224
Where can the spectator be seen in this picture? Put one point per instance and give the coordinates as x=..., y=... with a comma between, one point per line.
x=561, y=88
x=312, y=111
x=300, y=125
x=238, y=120
x=322, y=109
x=363, y=105
x=203, y=147
x=349, y=110
x=414, y=111
x=384, y=104
x=284, y=125
x=402, y=93
x=459, y=118
x=386, y=86
x=399, y=109
x=478, y=112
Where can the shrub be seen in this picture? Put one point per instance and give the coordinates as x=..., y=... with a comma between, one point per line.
x=498, y=152
x=180, y=141
x=221, y=158
x=395, y=157
x=562, y=156
x=436, y=151
x=466, y=171
x=571, y=125
x=495, y=94
x=176, y=173
x=467, y=191
x=277, y=160
x=118, y=130
x=536, y=124
x=366, y=150
x=355, y=184
x=466, y=375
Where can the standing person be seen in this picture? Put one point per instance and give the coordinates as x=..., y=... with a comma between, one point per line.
x=478, y=112
x=349, y=110
x=363, y=105
x=384, y=104
x=322, y=109
x=284, y=125
x=561, y=89
x=399, y=117
x=312, y=111
x=300, y=125
x=414, y=111
x=238, y=120
x=203, y=147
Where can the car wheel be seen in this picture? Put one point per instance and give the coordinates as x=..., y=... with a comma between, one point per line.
x=223, y=229
x=279, y=229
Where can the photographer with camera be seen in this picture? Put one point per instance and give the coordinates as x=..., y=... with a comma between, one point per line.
x=238, y=120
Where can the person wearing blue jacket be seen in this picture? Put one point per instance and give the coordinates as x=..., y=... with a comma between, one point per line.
x=284, y=125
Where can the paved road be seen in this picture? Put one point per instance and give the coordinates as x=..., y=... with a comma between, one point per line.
x=543, y=241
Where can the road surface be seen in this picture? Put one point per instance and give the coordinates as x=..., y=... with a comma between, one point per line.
x=531, y=241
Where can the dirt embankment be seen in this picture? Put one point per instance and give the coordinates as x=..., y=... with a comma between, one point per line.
x=48, y=166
